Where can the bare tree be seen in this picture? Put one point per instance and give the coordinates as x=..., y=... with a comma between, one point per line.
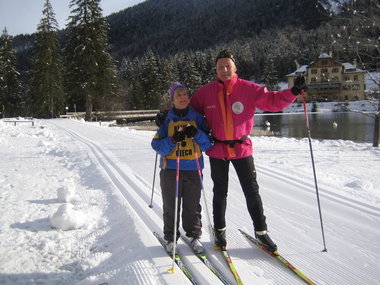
x=359, y=36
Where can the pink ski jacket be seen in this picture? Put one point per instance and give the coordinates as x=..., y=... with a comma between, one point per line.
x=229, y=109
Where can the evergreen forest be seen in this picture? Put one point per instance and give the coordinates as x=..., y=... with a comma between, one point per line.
x=127, y=60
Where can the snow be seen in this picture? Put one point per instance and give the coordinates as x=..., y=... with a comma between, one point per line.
x=67, y=218
x=66, y=193
x=74, y=209
x=334, y=6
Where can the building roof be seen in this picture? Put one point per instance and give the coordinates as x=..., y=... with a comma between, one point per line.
x=324, y=55
x=300, y=71
x=348, y=67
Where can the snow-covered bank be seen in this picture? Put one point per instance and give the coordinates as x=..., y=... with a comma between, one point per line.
x=37, y=163
x=365, y=106
x=105, y=176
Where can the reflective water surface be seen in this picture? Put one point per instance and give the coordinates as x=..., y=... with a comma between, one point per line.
x=330, y=125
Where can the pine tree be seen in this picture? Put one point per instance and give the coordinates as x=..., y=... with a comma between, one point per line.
x=205, y=65
x=151, y=81
x=270, y=75
x=137, y=96
x=169, y=74
x=46, y=84
x=10, y=86
x=190, y=76
x=127, y=73
x=91, y=77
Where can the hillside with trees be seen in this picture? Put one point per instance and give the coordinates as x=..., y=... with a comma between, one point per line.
x=159, y=41
x=170, y=26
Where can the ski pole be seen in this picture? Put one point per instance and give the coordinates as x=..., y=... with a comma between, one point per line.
x=171, y=270
x=204, y=193
x=312, y=162
x=154, y=179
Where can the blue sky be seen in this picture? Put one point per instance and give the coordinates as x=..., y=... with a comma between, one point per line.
x=23, y=16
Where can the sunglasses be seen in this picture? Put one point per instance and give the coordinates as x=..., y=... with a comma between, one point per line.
x=225, y=54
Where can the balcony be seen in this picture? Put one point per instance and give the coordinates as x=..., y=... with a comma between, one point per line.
x=324, y=86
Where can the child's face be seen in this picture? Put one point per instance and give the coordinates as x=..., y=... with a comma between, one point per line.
x=181, y=98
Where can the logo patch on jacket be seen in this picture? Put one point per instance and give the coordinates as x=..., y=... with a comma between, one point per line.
x=237, y=107
x=186, y=148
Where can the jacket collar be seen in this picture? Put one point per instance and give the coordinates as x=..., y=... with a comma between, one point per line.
x=227, y=82
x=181, y=113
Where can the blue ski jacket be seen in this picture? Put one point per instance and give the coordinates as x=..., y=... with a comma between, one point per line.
x=164, y=144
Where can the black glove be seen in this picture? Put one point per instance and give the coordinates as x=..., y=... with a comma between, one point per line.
x=160, y=118
x=190, y=131
x=179, y=135
x=299, y=84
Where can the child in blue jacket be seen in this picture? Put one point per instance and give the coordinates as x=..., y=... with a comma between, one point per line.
x=185, y=130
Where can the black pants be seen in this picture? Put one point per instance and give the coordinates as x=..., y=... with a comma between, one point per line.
x=189, y=195
x=246, y=172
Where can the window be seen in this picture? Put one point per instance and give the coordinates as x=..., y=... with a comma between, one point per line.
x=324, y=79
x=313, y=80
x=335, y=79
x=324, y=62
x=347, y=87
x=335, y=70
x=324, y=70
x=355, y=87
x=314, y=71
x=356, y=78
x=346, y=78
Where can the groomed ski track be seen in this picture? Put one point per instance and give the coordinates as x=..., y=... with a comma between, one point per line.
x=127, y=160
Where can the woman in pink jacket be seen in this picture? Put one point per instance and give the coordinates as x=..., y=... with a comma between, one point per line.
x=229, y=104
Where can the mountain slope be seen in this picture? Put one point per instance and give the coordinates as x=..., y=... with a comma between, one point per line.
x=168, y=26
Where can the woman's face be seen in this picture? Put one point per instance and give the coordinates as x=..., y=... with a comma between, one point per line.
x=181, y=98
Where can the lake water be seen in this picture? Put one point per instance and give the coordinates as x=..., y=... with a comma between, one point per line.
x=348, y=126
x=330, y=125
